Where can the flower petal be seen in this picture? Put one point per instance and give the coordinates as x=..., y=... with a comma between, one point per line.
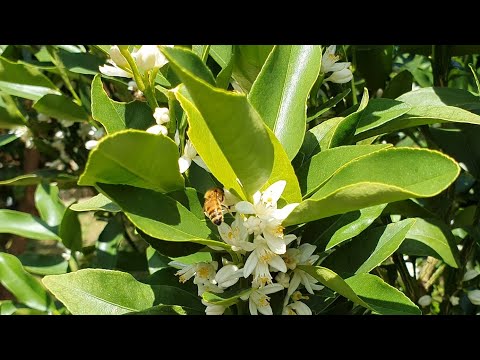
x=158, y=129
x=340, y=77
x=224, y=229
x=281, y=214
x=278, y=263
x=271, y=288
x=114, y=71
x=265, y=310
x=250, y=264
x=276, y=244
x=301, y=308
x=289, y=238
x=339, y=66
x=253, y=307
x=306, y=250
x=306, y=282
x=199, y=161
x=273, y=192
x=245, y=207
x=294, y=282
x=184, y=163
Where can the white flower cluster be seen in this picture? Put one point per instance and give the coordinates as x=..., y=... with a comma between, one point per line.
x=340, y=71
x=261, y=221
x=473, y=295
x=148, y=57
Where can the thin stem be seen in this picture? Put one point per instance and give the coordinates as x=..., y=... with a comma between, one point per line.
x=205, y=52
x=72, y=262
x=410, y=287
x=133, y=65
x=63, y=74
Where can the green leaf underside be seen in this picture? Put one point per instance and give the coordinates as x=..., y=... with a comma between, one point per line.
x=98, y=202
x=108, y=292
x=280, y=92
x=26, y=225
x=159, y=215
x=131, y=157
x=385, y=176
x=227, y=123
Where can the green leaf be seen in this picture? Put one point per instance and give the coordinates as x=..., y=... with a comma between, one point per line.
x=225, y=129
x=331, y=280
x=70, y=231
x=369, y=249
x=136, y=158
x=80, y=63
x=48, y=204
x=431, y=237
x=24, y=81
x=381, y=177
x=374, y=64
x=60, y=107
x=116, y=116
x=224, y=76
x=329, y=232
x=98, y=202
x=156, y=261
x=43, y=264
x=282, y=87
x=399, y=85
x=22, y=285
x=26, y=225
x=108, y=292
x=321, y=167
x=226, y=299
x=249, y=60
x=381, y=297
x=10, y=116
x=107, y=243
x=8, y=138
x=7, y=307
x=317, y=138
x=428, y=106
x=328, y=105
x=167, y=310
x=38, y=176
x=283, y=170
x=159, y=215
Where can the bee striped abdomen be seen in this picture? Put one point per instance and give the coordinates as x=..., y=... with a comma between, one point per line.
x=216, y=215
x=213, y=205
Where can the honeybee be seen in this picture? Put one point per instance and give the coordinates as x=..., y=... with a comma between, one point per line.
x=213, y=205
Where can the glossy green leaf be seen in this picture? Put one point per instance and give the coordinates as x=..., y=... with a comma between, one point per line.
x=381, y=297
x=48, y=204
x=159, y=215
x=108, y=292
x=329, y=232
x=369, y=249
x=43, y=264
x=136, y=158
x=225, y=75
x=60, y=107
x=116, y=116
x=26, y=225
x=280, y=92
x=107, y=243
x=24, y=81
x=38, y=176
x=321, y=167
x=225, y=129
x=327, y=105
x=70, y=230
x=167, y=310
x=381, y=177
x=80, y=63
x=22, y=285
x=226, y=299
x=156, y=261
x=316, y=139
x=98, y=202
x=7, y=307
x=431, y=237
x=437, y=96
x=374, y=64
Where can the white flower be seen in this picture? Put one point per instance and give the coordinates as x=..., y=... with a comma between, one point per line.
x=454, y=300
x=259, y=302
x=204, y=275
x=112, y=70
x=132, y=85
x=259, y=260
x=157, y=129
x=161, y=115
x=236, y=235
x=474, y=297
x=149, y=57
x=470, y=274
x=189, y=154
x=25, y=135
x=66, y=123
x=340, y=77
x=212, y=309
x=425, y=300
x=304, y=256
x=117, y=56
x=90, y=144
x=341, y=73
x=43, y=118
x=296, y=308
x=230, y=200
x=228, y=276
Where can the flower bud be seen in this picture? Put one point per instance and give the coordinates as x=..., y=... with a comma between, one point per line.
x=158, y=129
x=470, y=274
x=228, y=275
x=117, y=56
x=161, y=115
x=425, y=300
x=149, y=57
x=474, y=297
x=90, y=144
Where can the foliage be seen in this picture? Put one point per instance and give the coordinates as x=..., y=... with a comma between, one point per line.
x=350, y=178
